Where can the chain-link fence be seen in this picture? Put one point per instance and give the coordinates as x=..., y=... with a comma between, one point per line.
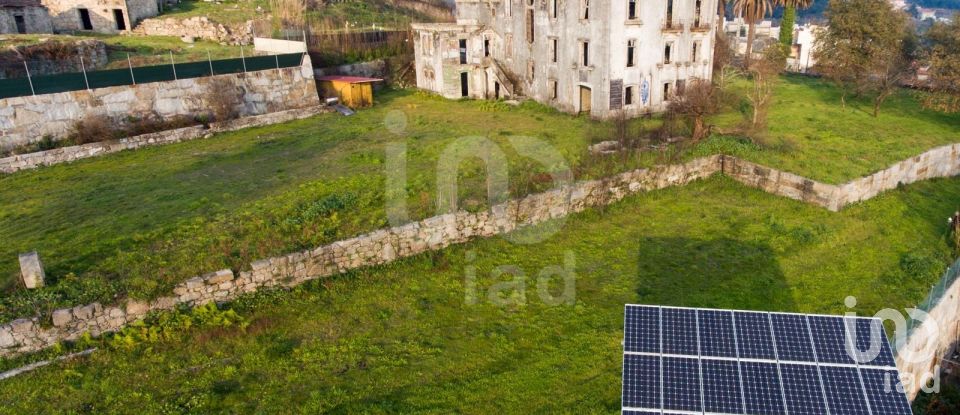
x=156, y=69
x=937, y=293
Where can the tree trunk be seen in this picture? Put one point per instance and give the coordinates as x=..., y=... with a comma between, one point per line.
x=751, y=34
x=697, y=128
x=722, y=16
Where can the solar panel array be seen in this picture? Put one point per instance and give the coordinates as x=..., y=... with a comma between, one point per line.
x=701, y=361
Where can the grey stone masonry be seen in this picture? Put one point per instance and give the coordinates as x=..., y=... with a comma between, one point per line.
x=31, y=270
x=16, y=163
x=386, y=245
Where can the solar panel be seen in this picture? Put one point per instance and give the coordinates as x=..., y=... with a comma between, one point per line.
x=683, y=360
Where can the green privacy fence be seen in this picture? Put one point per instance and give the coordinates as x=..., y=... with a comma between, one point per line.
x=47, y=84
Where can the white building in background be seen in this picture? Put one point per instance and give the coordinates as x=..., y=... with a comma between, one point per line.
x=801, y=54
x=738, y=30
x=580, y=56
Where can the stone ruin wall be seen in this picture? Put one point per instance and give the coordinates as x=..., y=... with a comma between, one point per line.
x=198, y=27
x=26, y=120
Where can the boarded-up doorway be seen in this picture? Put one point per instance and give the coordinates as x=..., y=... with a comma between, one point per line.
x=586, y=100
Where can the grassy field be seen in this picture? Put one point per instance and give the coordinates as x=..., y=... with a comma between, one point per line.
x=143, y=50
x=402, y=338
x=226, y=12
x=137, y=223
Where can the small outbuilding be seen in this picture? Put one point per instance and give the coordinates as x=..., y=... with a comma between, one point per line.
x=24, y=16
x=353, y=91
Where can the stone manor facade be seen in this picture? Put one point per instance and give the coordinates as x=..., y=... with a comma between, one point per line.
x=597, y=57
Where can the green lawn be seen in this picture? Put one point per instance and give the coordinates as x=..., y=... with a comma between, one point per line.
x=225, y=12
x=401, y=338
x=143, y=50
x=136, y=223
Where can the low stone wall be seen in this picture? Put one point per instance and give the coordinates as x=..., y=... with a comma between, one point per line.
x=379, y=247
x=67, y=154
x=26, y=120
x=198, y=27
x=386, y=245
x=52, y=57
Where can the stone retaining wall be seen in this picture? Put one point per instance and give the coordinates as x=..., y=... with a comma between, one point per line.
x=386, y=245
x=198, y=27
x=922, y=351
x=26, y=120
x=16, y=163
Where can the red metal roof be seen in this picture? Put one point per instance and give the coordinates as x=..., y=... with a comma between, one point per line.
x=348, y=79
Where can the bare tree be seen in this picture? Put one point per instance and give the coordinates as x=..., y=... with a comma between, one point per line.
x=765, y=73
x=697, y=101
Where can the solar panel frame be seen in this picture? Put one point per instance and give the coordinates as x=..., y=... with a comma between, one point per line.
x=766, y=365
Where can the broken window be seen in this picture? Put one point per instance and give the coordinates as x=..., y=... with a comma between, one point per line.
x=631, y=48
x=529, y=25
x=696, y=13
x=486, y=47
x=669, y=22
x=509, y=5
x=632, y=9
x=694, y=50
x=666, y=91
x=463, y=51
x=554, y=46
x=554, y=89
x=586, y=53
x=585, y=9
x=628, y=96
x=118, y=18
x=666, y=53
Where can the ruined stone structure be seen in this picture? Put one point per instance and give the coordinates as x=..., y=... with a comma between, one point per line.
x=24, y=16
x=104, y=16
x=579, y=56
x=199, y=27
x=26, y=120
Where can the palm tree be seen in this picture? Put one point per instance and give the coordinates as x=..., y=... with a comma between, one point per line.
x=789, y=17
x=752, y=11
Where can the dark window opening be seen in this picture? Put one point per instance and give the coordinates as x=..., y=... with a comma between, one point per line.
x=669, y=14
x=496, y=90
x=118, y=17
x=463, y=51
x=553, y=8
x=696, y=13
x=628, y=96
x=586, y=9
x=486, y=47
x=464, y=85
x=632, y=9
x=693, y=51
x=631, y=46
x=21, y=24
x=586, y=53
x=666, y=54
x=554, y=52
x=85, y=23
x=555, y=90
x=529, y=25
x=666, y=91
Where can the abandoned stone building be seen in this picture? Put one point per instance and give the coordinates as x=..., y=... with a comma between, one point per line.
x=580, y=56
x=24, y=16
x=104, y=16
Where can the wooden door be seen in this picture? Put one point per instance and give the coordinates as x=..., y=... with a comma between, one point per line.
x=586, y=100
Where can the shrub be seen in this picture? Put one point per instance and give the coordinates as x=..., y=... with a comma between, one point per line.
x=93, y=129
x=223, y=97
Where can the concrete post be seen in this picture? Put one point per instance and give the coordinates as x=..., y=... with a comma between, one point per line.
x=31, y=270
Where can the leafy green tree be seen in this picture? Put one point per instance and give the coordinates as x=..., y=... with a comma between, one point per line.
x=865, y=48
x=789, y=18
x=944, y=58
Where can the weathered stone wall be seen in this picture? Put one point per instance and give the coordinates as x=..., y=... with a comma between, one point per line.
x=16, y=163
x=933, y=340
x=198, y=27
x=52, y=57
x=386, y=245
x=36, y=19
x=25, y=120
x=66, y=13
x=372, y=69
x=379, y=247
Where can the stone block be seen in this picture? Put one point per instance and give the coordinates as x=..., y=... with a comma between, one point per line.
x=31, y=270
x=62, y=317
x=137, y=308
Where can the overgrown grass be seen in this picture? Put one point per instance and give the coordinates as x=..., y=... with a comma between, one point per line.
x=401, y=338
x=137, y=223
